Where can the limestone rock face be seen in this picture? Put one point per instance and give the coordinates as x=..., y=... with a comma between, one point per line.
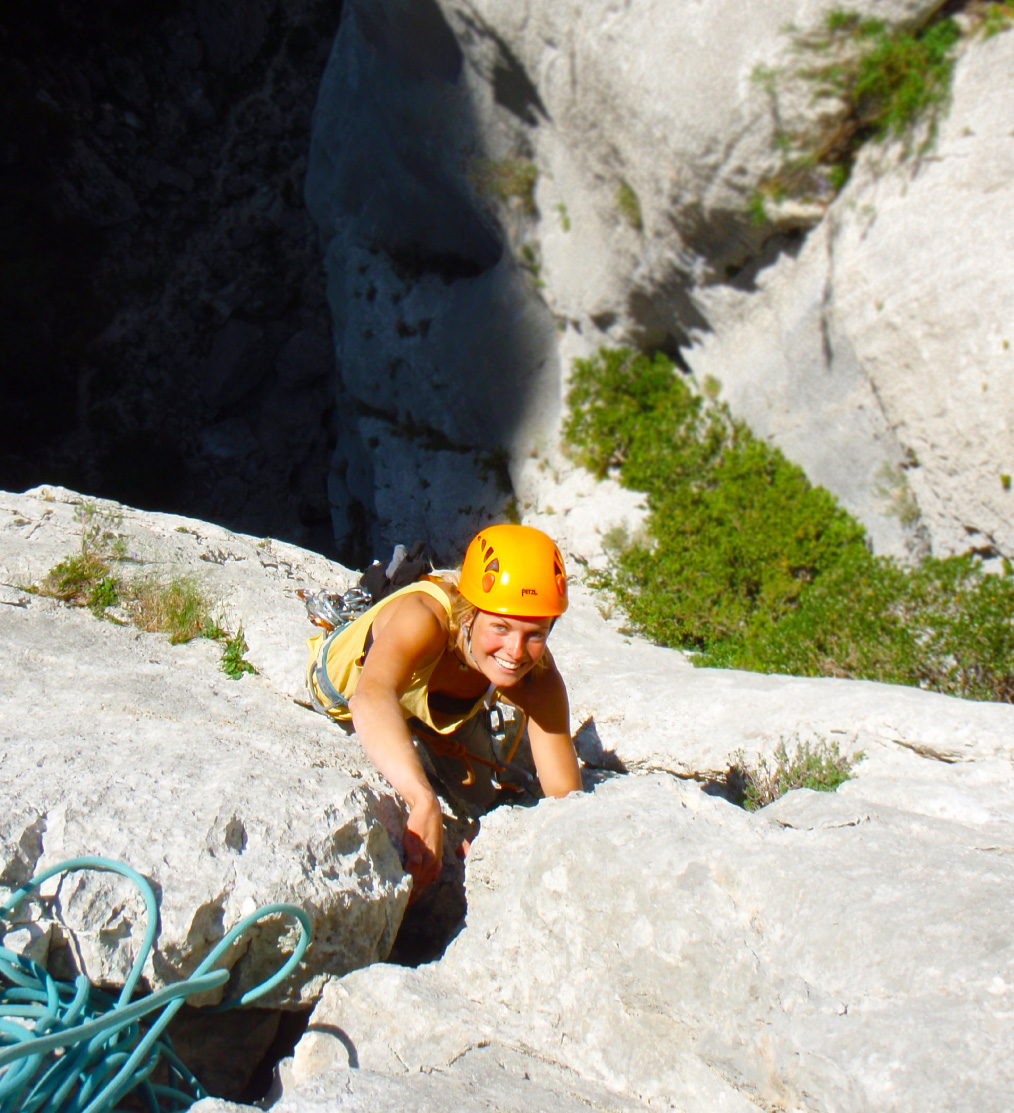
x=880, y=356
x=521, y=186
x=642, y=945
x=683, y=954
x=225, y=794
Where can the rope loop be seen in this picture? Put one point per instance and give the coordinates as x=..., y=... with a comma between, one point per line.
x=69, y=1047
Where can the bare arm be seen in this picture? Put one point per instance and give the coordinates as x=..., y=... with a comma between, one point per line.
x=407, y=636
x=543, y=697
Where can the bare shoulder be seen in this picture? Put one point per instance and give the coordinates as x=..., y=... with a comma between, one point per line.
x=417, y=619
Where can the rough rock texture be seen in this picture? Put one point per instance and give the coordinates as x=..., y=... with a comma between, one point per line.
x=528, y=169
x=826, y=953
x=881, y=356
x=225, y=794
x=643, y=945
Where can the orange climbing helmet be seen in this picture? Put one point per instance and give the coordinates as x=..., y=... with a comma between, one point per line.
x=514, y=570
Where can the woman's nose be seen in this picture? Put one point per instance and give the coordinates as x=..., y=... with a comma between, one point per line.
x=515, y=645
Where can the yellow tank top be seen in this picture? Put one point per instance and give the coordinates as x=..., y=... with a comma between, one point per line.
x=343, y=662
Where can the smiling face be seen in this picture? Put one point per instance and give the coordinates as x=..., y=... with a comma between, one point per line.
x=504, y=648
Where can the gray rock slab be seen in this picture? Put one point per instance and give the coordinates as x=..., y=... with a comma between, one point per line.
x=823, y=954
x=542, y=184
x=225, y=794
x=645, y=708
x=879, y=356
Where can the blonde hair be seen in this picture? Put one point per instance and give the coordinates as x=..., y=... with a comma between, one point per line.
x=462, y=612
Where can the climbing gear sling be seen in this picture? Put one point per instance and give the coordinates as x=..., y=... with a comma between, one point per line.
x=334, y=612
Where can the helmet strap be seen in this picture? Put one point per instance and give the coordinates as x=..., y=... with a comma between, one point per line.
x=465, y=637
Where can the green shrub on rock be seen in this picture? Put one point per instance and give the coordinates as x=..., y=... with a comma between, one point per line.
x=818, y=766
x=736, y=529
x=750, y=566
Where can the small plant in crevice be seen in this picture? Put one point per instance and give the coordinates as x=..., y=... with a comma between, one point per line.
x=234, y=664
x=886, y=82
x=994, y=17
x=102, y=596
x=509, y=179
x=629, y=205
x=495, y=465
x=816, y=765
x=530, y=261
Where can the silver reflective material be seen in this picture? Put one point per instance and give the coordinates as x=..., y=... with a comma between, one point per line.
x=329, y=611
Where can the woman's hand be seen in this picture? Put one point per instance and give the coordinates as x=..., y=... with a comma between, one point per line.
x=423, y=843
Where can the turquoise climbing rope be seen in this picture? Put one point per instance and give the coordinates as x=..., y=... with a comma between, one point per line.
x=71, y=1048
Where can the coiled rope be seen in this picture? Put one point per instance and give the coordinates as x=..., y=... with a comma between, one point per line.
x=70, y=1047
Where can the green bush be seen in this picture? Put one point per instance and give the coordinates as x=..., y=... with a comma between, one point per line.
x=892, y=83
x=747, y=564
x=735, y=529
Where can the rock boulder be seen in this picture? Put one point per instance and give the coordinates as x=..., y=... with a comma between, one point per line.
x=225, y=794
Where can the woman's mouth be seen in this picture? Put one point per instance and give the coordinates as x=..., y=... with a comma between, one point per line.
x=507, y=666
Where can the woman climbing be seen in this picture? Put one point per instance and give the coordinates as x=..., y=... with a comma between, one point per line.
x=429, y=659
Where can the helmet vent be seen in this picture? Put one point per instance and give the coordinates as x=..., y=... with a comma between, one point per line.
x=494, y=564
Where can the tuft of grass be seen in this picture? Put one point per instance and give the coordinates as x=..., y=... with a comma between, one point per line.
x=996, y=17
x=818, y=766
x=747, y=565
x=233, y=662
x=175, y=605
x=75, y=578
x=758, y=208
x=892, y=83
x=506, y=180
x=629, y=205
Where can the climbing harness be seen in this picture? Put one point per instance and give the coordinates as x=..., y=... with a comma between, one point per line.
x=446, y=745
x=332, y=613
x=71, y=1048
